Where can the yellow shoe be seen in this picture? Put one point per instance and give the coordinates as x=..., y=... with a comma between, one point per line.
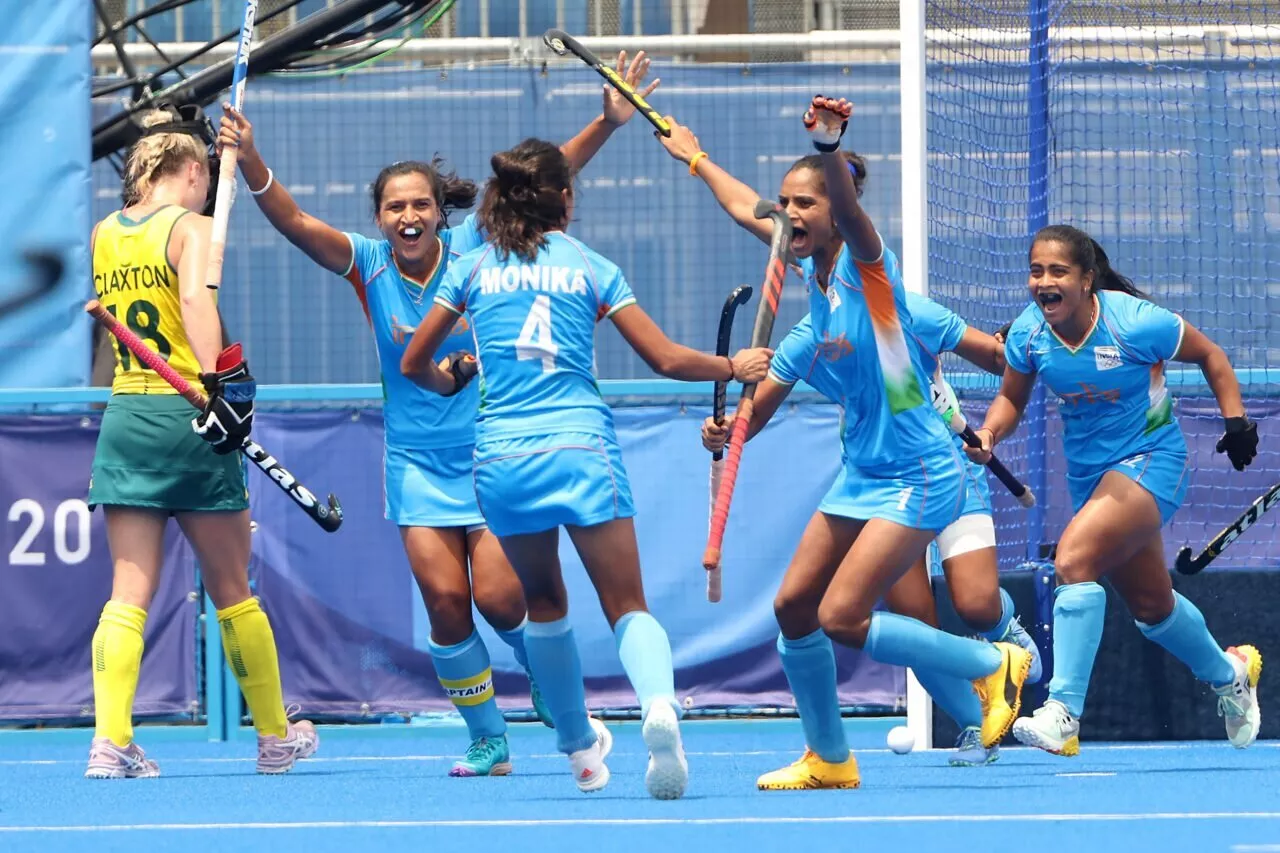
x=812, y=772
x=1001, y=692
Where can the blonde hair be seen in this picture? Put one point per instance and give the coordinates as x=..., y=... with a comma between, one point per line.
x=158, y=156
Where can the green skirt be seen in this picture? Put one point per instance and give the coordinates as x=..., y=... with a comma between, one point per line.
x=149, y=456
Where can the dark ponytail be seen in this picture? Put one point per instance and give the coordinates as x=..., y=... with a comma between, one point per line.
x=1089, y=256
x=450, y=192
x=857, y=168
x=525, y=198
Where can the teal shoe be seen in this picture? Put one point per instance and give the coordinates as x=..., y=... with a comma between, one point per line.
x=970, y=752
x=487, y=756
x=539, y=707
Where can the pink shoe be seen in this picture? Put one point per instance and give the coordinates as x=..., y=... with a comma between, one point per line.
x=278, y=755
x=108, y=761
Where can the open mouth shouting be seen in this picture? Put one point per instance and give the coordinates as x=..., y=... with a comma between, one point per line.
x=1049, y=301
x=411, y=235
x=800, y=242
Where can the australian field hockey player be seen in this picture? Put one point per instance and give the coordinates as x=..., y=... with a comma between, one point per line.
x=429, y=438
x=904, y=480
x=1100, y=346
x=153, y=461
x=546, y=452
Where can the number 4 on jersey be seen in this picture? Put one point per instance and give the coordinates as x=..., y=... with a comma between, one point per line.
x=535, y=339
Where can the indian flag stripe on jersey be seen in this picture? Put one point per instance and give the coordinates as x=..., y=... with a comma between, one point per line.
x=1160, y=412
x=900, y=381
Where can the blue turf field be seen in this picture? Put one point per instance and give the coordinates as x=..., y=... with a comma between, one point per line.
x=388, y=794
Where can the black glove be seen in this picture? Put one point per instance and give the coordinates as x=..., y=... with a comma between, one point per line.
x=463, y=368
x=227, y=418
x=1239, y=442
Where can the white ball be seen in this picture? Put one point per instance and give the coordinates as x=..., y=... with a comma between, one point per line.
x=901, y=740
x=688, y=702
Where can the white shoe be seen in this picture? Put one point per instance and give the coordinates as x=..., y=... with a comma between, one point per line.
x=1051, y=728
x=603, y=736
x=108, y=761
x=1238, y=701
x=668, y=772
x=589, y=770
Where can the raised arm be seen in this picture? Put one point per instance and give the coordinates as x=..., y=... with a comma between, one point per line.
x=680, y=362
x=1240, y=439
x=826, y=120
x=737, y=199
x=617, y=111
x=321, y=242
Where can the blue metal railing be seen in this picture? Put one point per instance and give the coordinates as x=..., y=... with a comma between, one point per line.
x=1254, y=382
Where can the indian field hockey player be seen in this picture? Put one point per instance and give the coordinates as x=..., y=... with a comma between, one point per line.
x=429, y=438
x=153, y=461
x=546, y=452
x=967, y=544
x=904, y=483
x=966, y=547
x=1100, y=346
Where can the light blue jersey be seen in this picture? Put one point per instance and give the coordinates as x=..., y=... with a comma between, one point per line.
x=546, y=454
x=414, y=417
x=936, y=328
x=1111, y=388
x=801, y=357
x=900, y=465
x=534, y=326
x=864, y=327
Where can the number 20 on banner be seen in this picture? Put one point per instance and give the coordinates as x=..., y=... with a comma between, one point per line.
x=70, y=532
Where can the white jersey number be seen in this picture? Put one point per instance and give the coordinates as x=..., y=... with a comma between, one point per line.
x=535, y=339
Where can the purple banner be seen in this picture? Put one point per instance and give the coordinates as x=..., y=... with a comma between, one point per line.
x=352, y=629
x=349, y=621
x=58, y=576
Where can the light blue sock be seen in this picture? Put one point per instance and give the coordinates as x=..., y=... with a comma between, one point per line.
x=904, y=641
x=645, y=652
x=464, y=674
x=554, y=661
x=954, y=696
x=1184, y=634
x=1079, y=610
x=810, y=666
x=515, y=639
x=996, y=634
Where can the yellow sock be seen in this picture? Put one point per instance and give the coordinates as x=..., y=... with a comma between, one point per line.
x=251, y=650
x=117, y=657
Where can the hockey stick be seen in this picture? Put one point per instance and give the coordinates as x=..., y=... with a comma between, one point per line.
x=739, y=296
x=563, y=44
x=946, y=404
x=328, y=517
x=226, y=194
x=766, y=313
x=1188, y=566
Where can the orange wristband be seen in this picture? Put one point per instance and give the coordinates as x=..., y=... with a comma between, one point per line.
x=693, y=163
